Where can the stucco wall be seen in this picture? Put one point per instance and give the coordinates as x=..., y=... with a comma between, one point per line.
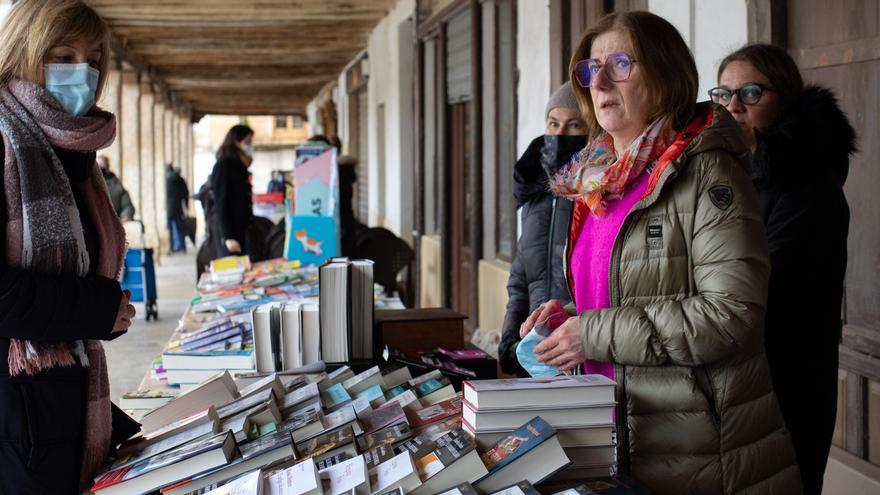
x=533, y=63
x=386, y=187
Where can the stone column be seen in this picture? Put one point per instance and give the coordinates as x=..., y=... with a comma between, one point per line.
x=111, y=101
x=148, y=158
x=160, y=111
x=129, y=136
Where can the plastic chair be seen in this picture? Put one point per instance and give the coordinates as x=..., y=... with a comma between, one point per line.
x=391, y=255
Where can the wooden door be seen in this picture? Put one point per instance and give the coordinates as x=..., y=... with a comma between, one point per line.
x=836, y=43
x=461, y=207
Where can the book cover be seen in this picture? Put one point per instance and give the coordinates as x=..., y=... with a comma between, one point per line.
x=325, y=443
x=436, y=430
x=390, y=435
x=429, y=386
x=396, y=471
x=516, y=444
x=397, y=390
x=335, y=396
x=317, y=187
x=265, y=443
x=348, y=476
x=449, y=448
x=373, y=394
x=246, y=484
x=312, y=239
x=299, y=395
x=156, y=462
x=378, y=455
x=301, y=478
x=437, y=412
x=384, y=416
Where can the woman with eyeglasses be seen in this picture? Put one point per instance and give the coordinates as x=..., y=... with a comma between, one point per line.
x=802, y=143
x=668, y=266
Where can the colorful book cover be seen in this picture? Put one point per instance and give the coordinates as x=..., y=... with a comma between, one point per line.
x=395, y=391
x=335, y=396
x=311, y=240
x=429, y=386
x=371, y=393
x=437, y=412
x=516, y=444
x=317, y=186
x=450, y=448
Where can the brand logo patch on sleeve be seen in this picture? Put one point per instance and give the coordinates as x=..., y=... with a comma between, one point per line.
x=655, y=232
x=721, y=196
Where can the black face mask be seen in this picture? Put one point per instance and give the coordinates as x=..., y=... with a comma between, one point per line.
x=558, y=150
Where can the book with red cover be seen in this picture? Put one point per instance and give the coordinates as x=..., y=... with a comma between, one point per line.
x=437, y=412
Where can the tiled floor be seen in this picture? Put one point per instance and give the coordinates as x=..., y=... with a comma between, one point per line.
x=129, y=356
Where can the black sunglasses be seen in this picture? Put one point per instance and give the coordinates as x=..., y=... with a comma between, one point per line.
x=749, y=93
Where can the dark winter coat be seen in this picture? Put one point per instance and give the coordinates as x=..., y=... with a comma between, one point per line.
x=537, y=273
x=233, y=206
x=799, y=169
x=176, y=194
x=42, y=416
x=119, y=197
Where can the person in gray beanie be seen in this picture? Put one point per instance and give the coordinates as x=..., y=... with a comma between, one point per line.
x=536, y=274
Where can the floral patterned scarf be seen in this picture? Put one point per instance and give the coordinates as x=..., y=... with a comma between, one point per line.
x=597, y=174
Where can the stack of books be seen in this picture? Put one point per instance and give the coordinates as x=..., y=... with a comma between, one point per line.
x=218, y=332
x=579, y=408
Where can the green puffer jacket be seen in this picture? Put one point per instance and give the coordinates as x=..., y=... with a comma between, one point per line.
x=688, y=280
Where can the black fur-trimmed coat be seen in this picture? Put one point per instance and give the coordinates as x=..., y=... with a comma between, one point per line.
x=799, y=169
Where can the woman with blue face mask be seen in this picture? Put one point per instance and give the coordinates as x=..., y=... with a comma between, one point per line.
x=61, y=250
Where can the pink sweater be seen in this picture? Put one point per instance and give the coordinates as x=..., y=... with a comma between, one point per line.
x=591, y=259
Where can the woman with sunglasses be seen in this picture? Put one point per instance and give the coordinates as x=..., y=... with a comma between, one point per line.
x=668, y=267
x=802, y=142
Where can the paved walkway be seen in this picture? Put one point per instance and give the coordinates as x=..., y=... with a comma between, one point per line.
x=129, y=356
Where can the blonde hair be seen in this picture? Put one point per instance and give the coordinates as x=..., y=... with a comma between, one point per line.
x=33, y=27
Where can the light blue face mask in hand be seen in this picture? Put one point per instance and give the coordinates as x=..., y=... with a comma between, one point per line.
x=73, y=85
x=525, y=351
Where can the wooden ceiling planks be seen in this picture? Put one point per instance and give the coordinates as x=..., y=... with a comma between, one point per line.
x=240, y=56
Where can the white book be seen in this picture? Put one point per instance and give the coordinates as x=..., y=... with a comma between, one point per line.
x=347, y=476
x=248, y=484
x=433, y=374
x=397, y=472
x=299, y=396
x=299, y=479
x=217, y=390
x=534, y=466
x=334, y=312
x=537, y=392
x=269, y=382
x=362, y=308
x=310, y=324
x=262, y=326
x=557, y=417
x=291, y=336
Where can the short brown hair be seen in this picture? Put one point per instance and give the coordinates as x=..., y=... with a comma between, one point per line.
x=33, y=27
x=665, y=60
x=776, y=64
